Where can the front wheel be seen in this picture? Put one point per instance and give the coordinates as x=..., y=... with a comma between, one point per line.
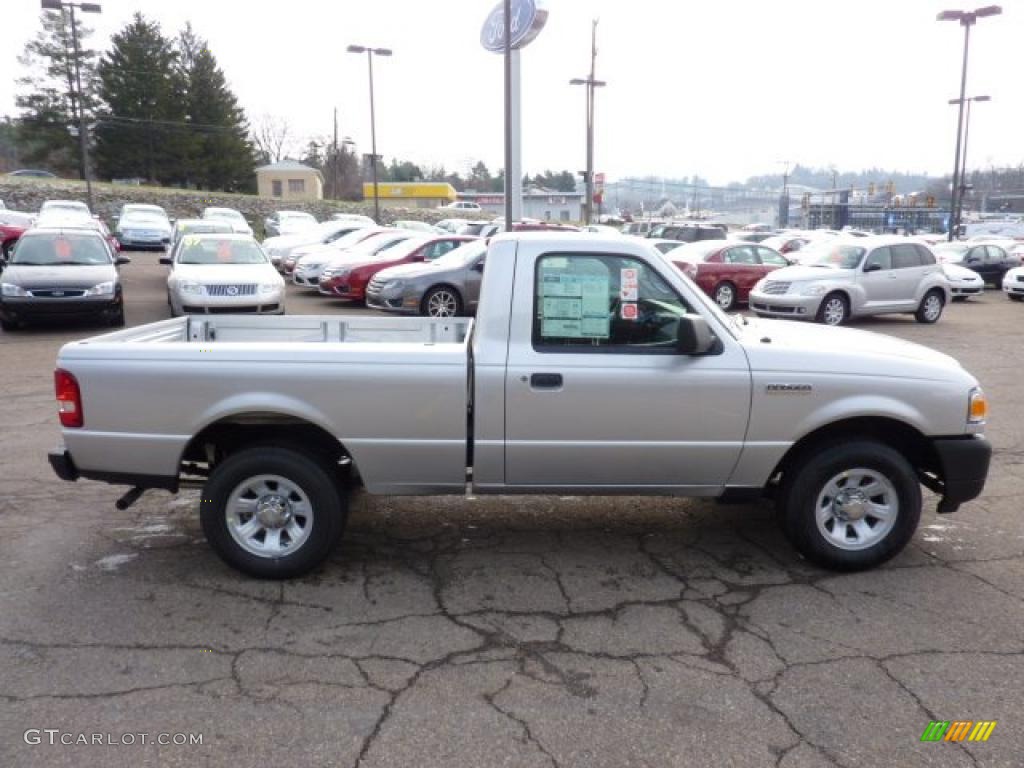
x=1014, y=297
x=850, y=506
x=725, y=296
x=273, y=513
x=834, y=310
x=442, y=302
x=931, y=308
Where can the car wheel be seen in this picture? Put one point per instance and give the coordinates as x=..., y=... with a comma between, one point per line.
x=272, y=512
x=442, y=302
x=931, y=307
x=850, y=506
x=834, y=310
x=117, y=321
x=725, y=296
x=9, y=325
x=1014, y=297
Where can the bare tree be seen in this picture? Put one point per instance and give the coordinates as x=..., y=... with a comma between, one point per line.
x=273, y=138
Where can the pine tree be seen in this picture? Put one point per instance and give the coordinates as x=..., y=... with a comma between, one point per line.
x=218, y=152
x=141, y=86
x=49, y=92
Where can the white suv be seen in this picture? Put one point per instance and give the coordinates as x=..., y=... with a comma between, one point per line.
x=848, y=277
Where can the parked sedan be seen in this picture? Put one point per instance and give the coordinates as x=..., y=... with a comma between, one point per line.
x=446, y=287
x=325, y=251
x=308, y=271
x=842, y=278
x=726, y=271
x=281, y=247
x=288, y=223
x=143, y=230
x=65, y=205
x=989, y=260
x=184, y=227
x=963, y=282
x=222, y=274
x=234, y=218
x=1013, y=284
x=349, y=280
x=61, y=273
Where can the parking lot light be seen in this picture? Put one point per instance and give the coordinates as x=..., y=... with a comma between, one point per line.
x=370, y=53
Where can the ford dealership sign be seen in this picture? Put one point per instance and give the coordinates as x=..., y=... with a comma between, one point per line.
x=527, y=21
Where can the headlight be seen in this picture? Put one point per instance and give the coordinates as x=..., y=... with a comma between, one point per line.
x=393, y=285
x=188, y=286
x=10, y=289
x=269, y=287
x=814, y=290
x=336, y=272
x=977, y=407
x=307, y=265
x=103, y=289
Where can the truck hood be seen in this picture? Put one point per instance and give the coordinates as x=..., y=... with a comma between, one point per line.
x=793, y=346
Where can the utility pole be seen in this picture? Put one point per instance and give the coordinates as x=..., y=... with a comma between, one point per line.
x=591, y=83
x=334, y=170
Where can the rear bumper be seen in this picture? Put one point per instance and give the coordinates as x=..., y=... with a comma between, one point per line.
x=63, y=465
x=964, y=466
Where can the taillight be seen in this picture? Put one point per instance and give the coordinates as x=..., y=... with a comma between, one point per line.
x=69, y=398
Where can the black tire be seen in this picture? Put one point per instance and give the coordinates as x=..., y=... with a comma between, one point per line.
x=9, y=325
x=438, y=295
x=927, y=312
x=960, y=298
x=1014, y=297
x=328, y=505
x=833, y=306
x=806, y=482
x=725, y=296
x=117, y=321
x=8, y=249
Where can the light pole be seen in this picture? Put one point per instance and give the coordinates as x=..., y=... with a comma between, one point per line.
x=963, y=158
x=591, y=83
x=967, y=19
x=370, y=53
x=79, y=97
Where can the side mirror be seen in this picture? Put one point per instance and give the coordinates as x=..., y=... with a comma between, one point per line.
x=875, y=267
x=693, y=337
x=122, y=260
x=479, y=267
x=166, y=260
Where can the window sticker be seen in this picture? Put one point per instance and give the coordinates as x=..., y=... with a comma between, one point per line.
x=62, y=248
x=569, y=309
x=629, y=285
x=573, y=306
x=629, y=311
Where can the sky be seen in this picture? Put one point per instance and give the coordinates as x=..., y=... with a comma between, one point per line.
x=725, y=89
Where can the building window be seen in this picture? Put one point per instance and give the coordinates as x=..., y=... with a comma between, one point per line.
x=296, y=186
x=563, y=215
x=275, y=188
x=547, y=215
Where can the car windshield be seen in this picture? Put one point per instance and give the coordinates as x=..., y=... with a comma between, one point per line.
x=352, y=238
x=185, y=228
x=462, y=255
x=65, y=249
x=832, y=255
x=399, y=249
x=694, y=251
x=212, y=250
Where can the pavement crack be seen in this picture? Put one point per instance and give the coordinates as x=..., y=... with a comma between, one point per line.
x=527, y=733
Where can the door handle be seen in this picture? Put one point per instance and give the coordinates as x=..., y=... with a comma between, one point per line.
x=546, y=381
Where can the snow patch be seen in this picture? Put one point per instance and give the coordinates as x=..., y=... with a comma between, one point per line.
x=113, y=562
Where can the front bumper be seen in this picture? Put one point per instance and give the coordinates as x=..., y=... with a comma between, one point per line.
x=30, y=308
x=963, y=464
x=132, y=243
x=1014, y=287
x=967, y=289
x=341, y=289
x=306, y=279
x=789, y=305
x=407, y=305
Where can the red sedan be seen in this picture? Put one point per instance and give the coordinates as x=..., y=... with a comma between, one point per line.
x=9, y=234
x=349, y=281
x=726, y=271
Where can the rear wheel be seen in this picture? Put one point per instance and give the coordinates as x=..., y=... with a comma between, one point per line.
x=1015, y=297
x=9, y=325
x=273, y=512
x=442, y=301
x=117, y=321
x=725, y=296
x=834, y=310
x=850, y=506
x=931, y=307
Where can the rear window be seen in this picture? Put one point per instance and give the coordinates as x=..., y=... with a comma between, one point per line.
x=905, y=257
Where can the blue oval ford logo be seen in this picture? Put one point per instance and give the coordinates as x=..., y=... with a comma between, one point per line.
x=232, y=290
x=527, y=21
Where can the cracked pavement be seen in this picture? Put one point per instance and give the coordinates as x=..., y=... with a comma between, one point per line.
x=509, y=631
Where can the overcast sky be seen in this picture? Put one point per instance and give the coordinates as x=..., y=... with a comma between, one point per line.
x=724, y=89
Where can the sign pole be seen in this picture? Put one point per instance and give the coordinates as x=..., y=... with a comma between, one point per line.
x=508, y=114
x=514, y=163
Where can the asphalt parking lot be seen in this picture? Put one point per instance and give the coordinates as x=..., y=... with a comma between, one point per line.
x=507, y=632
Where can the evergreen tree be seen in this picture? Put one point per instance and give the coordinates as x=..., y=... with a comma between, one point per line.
x=144, y=94
x=217, y=152
x=49, y=91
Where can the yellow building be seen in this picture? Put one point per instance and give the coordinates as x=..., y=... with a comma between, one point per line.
x=289, y=180
x=411, y=194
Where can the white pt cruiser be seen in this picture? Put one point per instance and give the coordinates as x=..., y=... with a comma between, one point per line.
x=840, y=279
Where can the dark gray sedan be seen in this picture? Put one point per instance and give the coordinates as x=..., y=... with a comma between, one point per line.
x=446, y=287
x=61, y=273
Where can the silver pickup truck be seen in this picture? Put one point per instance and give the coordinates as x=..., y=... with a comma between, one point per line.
x=593, y=367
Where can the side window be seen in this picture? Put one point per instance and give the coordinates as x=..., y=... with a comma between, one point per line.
x=995, y=254
x=603, y=303
x=741, y=254
x=927, y=257
x=975, y=255
x=438, y=249
x=768, y=256
x=275, y=191
x=905, y=257
x=880, y=256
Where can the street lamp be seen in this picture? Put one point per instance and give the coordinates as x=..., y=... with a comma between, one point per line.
x=966, y=19
x=79, y=97
x=370, y=53
x=963, y=159
x=591, y=83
